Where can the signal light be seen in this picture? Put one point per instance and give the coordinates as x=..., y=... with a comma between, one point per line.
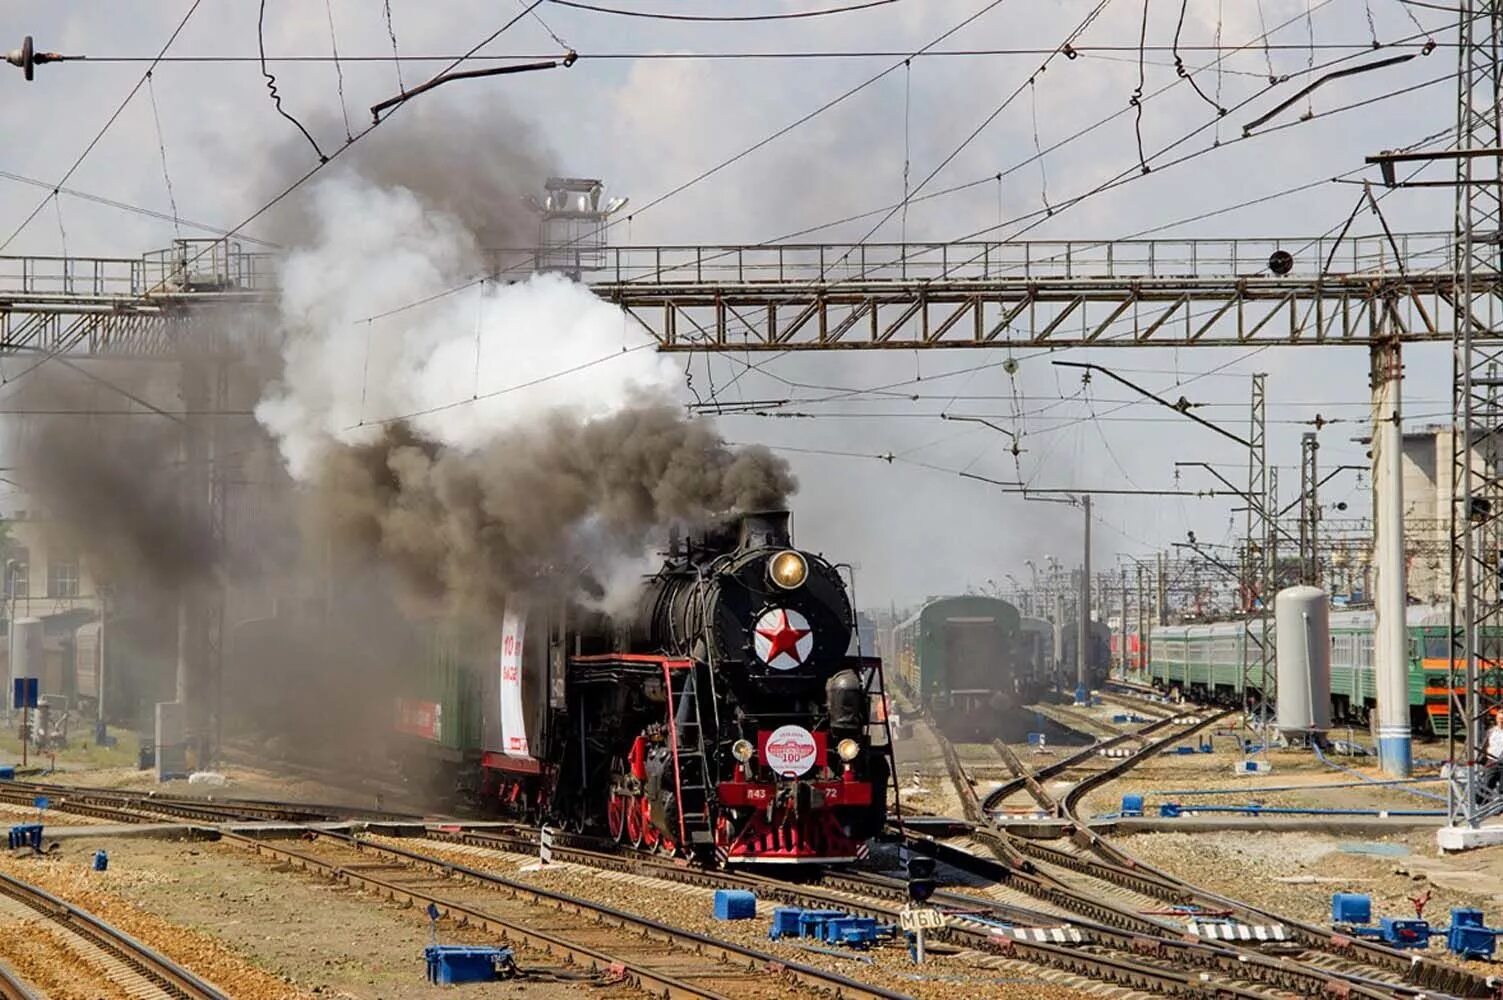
x=920, y=878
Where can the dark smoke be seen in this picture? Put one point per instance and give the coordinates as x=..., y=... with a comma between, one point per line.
x=467, y=529
x=108, y=476
x=475, y=161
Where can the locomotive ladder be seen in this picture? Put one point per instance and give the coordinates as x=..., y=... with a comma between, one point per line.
x=691, y=763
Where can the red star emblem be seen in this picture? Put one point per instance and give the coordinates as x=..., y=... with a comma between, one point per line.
x=782, y=638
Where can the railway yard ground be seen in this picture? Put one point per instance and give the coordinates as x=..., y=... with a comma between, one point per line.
x=293, y=913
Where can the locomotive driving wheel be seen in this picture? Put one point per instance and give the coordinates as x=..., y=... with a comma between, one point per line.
x=636, y=820
x=650, y=834
x=615, y=817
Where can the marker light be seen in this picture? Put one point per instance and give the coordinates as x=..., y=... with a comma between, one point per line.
x=847, y=749
x=788, y=569
x=742, y=750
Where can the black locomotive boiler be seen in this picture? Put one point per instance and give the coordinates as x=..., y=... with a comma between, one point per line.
x=726, y=719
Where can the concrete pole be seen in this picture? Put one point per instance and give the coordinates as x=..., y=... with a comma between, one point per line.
x=1122, y=579
x=1161, y=594
x=1390, y=639
x=1083, y=631
x=1143, y=642
x=1059, y=636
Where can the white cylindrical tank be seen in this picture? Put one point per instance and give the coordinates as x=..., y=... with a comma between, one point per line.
x=1302, y=623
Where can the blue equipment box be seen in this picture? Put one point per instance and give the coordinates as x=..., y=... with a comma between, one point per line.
x=449, y=964
x=25, y=835
x=856, y=932
x=1132, y=805
x=101, y=860
x=1402, y=933
x=811, y=923
x=1468, y=936
x=735, y=904
x=785, y=922
x=8, y=773
x=1351, y=908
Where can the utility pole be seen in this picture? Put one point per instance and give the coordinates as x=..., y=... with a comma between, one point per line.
x=1122, y=574
x=1059, y=635
x=1390, y=639
x=1258, y=567
x=1309, y=510
x=1083, y=632
x=1143, y=640
x=1161, y=596
x=1477, y=416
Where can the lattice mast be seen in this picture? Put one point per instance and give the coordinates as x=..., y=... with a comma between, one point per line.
x=1478, y=415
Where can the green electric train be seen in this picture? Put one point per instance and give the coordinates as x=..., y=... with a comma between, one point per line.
x=1205, y=663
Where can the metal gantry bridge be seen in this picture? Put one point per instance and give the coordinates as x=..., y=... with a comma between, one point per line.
x=1142, y=293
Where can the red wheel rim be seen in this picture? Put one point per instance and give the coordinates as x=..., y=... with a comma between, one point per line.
x=615, y=817
x=633, y=824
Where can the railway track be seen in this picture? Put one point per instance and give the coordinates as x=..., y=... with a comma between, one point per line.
x=13, y=987
x=1120, y=945
x=660, y=959
x=106, y=804
x=1360, y=967
x=131, y=965
x=1101, y=956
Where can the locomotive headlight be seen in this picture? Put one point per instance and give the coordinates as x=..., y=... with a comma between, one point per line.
x=847, y=749
x=788, y=570
x=742, y=750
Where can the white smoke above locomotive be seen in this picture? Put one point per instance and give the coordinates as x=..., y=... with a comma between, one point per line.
x=386, y=318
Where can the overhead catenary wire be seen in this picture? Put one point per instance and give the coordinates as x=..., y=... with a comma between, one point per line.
x=773, y=54
x=271, y=86
x=1129, y=175
x=1135, y=101
x=720, y=18
x=156, y=118
x=1048, y=210
x=707, y=173
x=344, y=107
x=1063, y=48
x=125, y=206
x=1179, y=59
x=546, y=27
x=1040, y=152
x=183, y=23
x=391, y=31
x=311, y=172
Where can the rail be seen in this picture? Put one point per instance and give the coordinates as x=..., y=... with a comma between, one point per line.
x=1117, y=865
x=173, y=978
x=656, y=981
x=13, y=987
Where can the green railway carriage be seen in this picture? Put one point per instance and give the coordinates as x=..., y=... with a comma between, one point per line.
x=1206, y=663
x=965, y=659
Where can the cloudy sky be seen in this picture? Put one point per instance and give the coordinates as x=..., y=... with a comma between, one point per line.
x=653, y=103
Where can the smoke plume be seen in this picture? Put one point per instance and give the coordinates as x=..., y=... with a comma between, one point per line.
x=552, y=499
x=481, y=437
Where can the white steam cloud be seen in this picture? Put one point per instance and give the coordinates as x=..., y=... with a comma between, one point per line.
x=468, y=367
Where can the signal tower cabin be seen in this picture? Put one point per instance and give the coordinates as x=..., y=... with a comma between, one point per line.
x=572, y=224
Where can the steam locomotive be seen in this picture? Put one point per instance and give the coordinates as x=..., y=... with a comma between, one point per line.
x=727, y=719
